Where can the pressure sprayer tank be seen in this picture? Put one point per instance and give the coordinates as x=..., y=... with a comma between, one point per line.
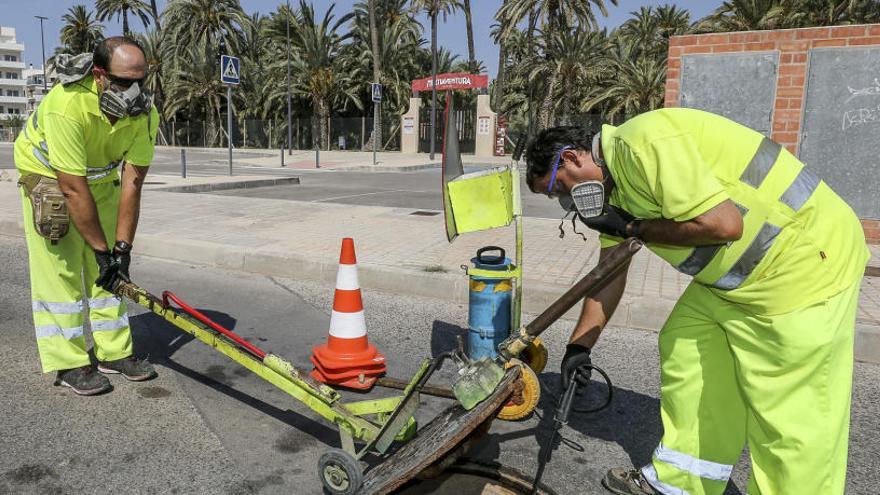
x=489, y=304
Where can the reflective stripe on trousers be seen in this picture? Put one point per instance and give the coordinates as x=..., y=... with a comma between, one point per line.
x=687, y=463
x=797, y=193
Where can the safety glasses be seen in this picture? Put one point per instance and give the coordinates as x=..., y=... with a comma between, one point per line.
x=556, y=168
x=122, y=82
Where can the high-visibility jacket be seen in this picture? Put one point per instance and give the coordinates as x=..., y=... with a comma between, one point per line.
x=801, y=242
x=68, y=132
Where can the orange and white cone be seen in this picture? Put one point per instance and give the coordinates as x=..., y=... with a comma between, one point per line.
x=347, y=359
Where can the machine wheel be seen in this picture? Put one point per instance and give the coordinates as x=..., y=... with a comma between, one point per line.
x=340, y=472
x=535, y=355
x=526, y=398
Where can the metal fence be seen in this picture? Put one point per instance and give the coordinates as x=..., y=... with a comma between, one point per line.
x=341, y=134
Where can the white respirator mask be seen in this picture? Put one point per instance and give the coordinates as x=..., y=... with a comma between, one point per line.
x=586, y=198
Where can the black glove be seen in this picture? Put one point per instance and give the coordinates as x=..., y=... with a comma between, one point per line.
x=612, y=221
x=577, y=357
x=122, y=252
x=108, y=269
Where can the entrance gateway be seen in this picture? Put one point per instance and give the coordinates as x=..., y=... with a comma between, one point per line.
x=479, y=132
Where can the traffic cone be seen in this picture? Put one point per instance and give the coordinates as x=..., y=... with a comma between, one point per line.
x=347, y=359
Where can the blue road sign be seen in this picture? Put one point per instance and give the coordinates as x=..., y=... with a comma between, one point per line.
x=377, y=92
x=229, y=73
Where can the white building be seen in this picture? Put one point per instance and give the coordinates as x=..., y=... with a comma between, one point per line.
x=34, y=86
x=13, y=97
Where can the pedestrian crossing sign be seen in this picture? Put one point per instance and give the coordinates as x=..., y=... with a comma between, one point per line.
x=229, y=73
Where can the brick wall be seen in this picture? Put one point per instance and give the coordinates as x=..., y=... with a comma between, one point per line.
x=793, y=46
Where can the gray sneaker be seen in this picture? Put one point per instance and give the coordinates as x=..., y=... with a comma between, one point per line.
x=132, y=368
x=83, y=381
x=627, y=482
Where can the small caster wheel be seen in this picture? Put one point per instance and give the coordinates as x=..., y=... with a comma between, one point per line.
x=340, y=472
x=525, y=396
x=535, y=355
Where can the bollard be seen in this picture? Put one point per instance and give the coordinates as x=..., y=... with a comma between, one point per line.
x=183, y=163
x=282, y=156
x=317, y=157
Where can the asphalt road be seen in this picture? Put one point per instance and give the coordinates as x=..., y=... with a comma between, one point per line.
x=416, y=190
x=208, y=426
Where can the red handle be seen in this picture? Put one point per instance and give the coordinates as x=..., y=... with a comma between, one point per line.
x=166, y=295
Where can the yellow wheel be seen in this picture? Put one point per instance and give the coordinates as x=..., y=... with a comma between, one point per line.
x=526, y=395
x=535, y=355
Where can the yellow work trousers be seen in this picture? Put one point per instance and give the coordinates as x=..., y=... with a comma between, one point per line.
x=779, y=384
x=62, y=283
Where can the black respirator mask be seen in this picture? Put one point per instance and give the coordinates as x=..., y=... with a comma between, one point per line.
x=119, y=103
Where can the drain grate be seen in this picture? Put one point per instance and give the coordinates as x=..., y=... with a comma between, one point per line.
x=425, y=213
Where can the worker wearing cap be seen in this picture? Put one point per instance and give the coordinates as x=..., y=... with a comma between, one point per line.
x=80, y=213
x=758, y=350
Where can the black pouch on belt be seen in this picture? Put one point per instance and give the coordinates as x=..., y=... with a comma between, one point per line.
x=51, y=218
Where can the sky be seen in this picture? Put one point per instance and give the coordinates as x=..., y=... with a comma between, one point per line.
x=19, y=14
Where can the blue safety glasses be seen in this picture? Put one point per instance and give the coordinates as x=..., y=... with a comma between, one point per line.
x=556, y=167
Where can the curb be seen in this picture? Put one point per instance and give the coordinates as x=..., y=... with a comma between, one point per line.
x=223, y=186
x=633, y=311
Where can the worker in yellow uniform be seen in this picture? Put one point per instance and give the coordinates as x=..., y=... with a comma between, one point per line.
x=759, y=349
x=80, y=213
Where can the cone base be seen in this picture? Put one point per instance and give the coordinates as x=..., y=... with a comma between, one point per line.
x=343, y=354
x=352, y=383
x=347, y=372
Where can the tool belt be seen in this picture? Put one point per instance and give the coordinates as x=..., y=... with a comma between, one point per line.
x=51, y=218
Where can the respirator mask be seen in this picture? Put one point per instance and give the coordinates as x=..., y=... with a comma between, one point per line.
x=587, y=198
x=119, y=103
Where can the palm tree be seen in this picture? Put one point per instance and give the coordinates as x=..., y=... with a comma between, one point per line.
x=554, y=16
x=376, y=138
x=80, y=32
x=151, y=42
x=550, y=12
x=832, y=12
x=108, y=9
x=435, y=8
x=632, y=82
x=572, y=59
x=472, y=58
x=396, y=54
x=195, y=88
x=205, y=23
x=317, y=64
x=748, y=15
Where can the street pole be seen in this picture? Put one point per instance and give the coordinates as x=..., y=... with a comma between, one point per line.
x=289, y=128
x=43, y=43
x=433, y=75
x=375, y=132
x=229, y=123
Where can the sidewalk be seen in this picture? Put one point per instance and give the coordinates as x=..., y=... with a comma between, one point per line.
x=386, y=161
x=398, y=251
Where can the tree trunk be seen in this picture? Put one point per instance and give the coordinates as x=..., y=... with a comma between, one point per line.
x=545, y=111
x=377, y=73
x=472, y=58
x=125, y=22
x=155, y=14
x=498, y=96
x=323, y=112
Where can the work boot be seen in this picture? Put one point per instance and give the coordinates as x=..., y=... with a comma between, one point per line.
x=623, y=482
x=132, y=368
x=83, y=380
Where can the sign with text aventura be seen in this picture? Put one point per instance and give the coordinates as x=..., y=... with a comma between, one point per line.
x=452, y=81
x=229, y=70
